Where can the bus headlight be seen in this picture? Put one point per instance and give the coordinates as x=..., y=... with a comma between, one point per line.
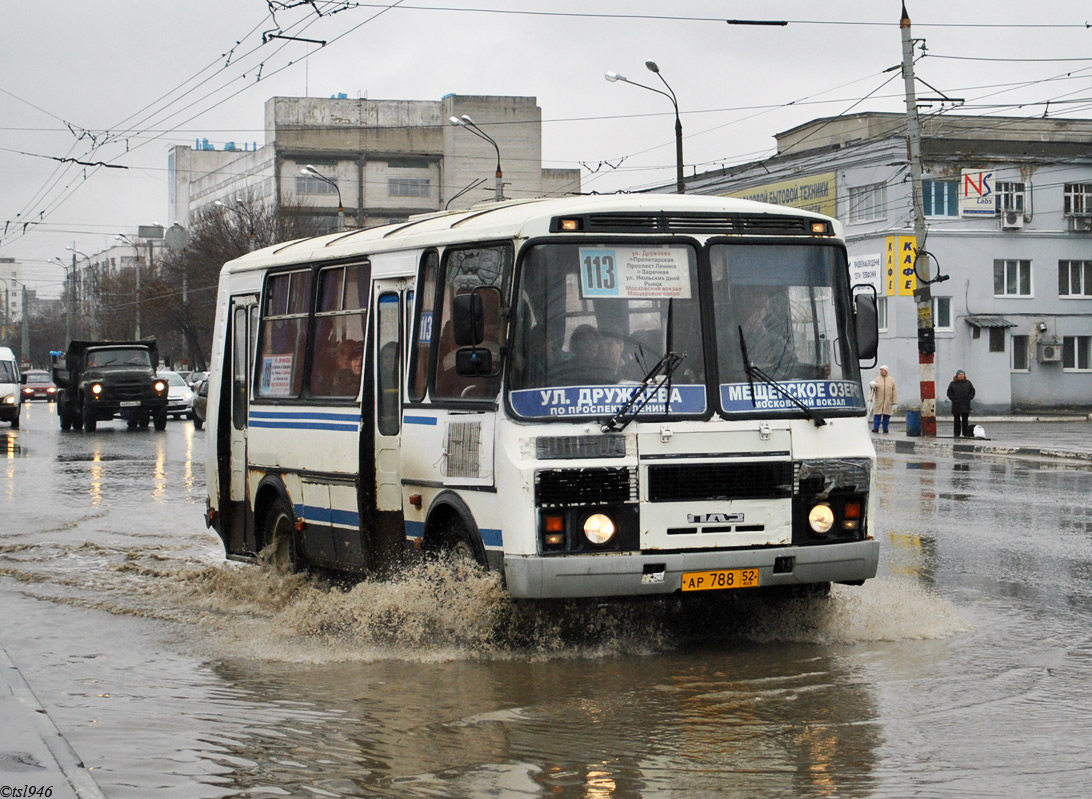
x=821, y=519
x=599, y=528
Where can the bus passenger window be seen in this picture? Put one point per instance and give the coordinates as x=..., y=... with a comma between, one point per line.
x=338, y=346
x=422, y=338
x=284, y=334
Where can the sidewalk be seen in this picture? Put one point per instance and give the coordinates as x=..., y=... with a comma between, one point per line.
x=35, y=758
x=1065, y=437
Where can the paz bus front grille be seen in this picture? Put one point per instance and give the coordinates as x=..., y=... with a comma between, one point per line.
x=557, y=487
x=711, y=481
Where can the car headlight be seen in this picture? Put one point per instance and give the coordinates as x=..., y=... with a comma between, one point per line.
x=599, y=528
x=9, y=399
x=188, y=396
x=821, y=518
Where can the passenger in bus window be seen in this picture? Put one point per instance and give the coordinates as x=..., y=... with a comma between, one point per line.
x=350, y=357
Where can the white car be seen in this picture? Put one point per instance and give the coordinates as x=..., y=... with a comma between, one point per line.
x=180, y=395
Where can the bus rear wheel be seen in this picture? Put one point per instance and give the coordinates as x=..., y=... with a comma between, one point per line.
x=279, y=535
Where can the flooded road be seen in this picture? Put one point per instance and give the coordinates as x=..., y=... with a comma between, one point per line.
x=963, y=670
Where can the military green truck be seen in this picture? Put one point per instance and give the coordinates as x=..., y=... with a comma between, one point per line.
x=102, y=380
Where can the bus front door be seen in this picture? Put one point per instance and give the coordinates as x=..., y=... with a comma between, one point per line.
x=390, y=531
x=244, y=325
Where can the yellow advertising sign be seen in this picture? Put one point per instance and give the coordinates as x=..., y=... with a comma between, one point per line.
x=891, y=265
x=814, y=193
x=898, y=271
x=908, y=251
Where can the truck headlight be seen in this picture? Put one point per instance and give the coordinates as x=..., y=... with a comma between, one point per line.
x=821, y=519
x=96, y=389
x=599, y=528
x=160, y=386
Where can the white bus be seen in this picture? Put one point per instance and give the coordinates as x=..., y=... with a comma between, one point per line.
x=596, y=396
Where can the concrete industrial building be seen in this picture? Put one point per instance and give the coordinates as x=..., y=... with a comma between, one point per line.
x=1008, y=207
x=389, y=159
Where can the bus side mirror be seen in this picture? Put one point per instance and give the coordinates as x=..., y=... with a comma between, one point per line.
x=468, y=318
x=868, y=327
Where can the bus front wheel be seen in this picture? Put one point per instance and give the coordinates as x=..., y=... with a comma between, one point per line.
x=279, y=535
x=456, y=542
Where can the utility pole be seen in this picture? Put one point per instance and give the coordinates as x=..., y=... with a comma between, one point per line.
x=26, y=328
x=922, y=295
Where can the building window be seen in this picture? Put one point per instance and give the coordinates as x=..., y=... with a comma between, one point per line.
x=997, y=339
x=868, y=202
x=408, y=163
x=881, y=313
x=942, y=313
x=1075, y=278
x=1077, y=353
x=409, y=187
x=1011, y=278
x=940, y=197
x=1010, y=196
x=305, y=184
x=1078, y=199
x=1020, y=353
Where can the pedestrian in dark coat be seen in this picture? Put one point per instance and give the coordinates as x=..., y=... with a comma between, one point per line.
x=961, y=392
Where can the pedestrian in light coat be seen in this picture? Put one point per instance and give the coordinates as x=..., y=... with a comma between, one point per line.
x=884, y=397
x=961, y=392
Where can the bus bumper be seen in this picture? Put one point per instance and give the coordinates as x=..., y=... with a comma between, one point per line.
x=648, y=574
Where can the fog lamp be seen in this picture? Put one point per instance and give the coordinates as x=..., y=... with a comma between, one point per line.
x=599, y=528
x=821, y=519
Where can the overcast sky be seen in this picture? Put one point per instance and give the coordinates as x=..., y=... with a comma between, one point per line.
x=121, y=81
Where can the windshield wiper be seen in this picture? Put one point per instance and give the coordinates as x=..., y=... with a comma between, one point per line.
x=753, y=372
x=663, y=369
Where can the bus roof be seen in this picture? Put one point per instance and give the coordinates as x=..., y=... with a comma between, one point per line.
x=503, y=220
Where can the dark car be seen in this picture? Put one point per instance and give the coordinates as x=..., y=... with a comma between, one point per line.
x=39, y=386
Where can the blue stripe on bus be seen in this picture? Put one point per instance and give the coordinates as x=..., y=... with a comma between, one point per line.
x=321, y=515
x=305, y=420
x=491, y=538
x=427, y=420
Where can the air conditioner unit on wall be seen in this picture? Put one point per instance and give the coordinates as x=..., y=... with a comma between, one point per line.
x=1050, y=352
x=1012, y=220
x=1080, y=224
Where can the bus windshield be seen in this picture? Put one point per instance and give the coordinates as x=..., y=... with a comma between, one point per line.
x=592, y=320
x=783, y=308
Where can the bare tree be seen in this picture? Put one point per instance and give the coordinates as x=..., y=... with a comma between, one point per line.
x=178, y=296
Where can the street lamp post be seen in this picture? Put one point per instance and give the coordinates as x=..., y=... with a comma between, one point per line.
x=67, y=295
x=466, y=122
x=92, y=290
x=680, y=184
x=311, y=172
x=248, y=217
x=136, y=248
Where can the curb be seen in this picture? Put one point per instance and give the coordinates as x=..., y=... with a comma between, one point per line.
x=32, y=749
x=941, y=447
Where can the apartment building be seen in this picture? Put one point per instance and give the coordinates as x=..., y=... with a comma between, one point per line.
x=1008, y=211
x=382, y=160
